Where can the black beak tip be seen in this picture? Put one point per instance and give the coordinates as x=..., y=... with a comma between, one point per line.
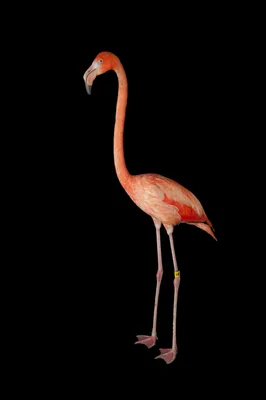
x=88, y=88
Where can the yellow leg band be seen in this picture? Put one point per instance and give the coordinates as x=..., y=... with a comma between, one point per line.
x=177, y=274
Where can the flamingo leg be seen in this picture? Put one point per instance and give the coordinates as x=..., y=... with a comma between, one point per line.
x=149, y=341
x=168, y=355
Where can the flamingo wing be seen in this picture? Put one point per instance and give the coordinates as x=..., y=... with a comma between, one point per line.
x=188, y=206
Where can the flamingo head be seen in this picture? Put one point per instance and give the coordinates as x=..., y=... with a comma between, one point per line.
x=102, y=63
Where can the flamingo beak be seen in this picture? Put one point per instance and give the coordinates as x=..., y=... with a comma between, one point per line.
x=89, y=77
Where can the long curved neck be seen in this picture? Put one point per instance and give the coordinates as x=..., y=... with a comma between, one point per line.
x=119, y=158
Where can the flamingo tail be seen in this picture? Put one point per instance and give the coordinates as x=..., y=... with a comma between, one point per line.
x=207, y=228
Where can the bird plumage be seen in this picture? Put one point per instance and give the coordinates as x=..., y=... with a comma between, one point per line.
x=167, y=201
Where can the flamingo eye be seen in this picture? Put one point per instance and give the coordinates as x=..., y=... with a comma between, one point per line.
x=100, y=61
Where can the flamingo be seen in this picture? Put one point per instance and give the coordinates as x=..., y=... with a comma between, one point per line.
x=167, y=202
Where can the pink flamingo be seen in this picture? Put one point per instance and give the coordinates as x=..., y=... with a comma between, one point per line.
x=165, y=200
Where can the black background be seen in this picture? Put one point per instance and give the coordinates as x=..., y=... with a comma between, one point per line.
x=174, y=126
x=101, y=249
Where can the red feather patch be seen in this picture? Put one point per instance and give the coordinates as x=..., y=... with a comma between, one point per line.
x=187, y=213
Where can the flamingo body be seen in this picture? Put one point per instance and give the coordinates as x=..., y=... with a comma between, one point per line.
x=167, y=201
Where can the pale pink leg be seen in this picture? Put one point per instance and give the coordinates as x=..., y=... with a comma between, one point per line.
x=168, y=355
x=149, y=341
